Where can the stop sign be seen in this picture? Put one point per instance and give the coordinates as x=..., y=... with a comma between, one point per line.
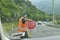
x=30, y=24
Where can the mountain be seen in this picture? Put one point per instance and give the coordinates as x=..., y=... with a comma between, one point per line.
x=12, y=10
x=46, y=5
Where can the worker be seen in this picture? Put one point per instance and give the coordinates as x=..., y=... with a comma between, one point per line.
x=22, y=25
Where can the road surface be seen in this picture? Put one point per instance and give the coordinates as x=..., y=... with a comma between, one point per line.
x=42, y=31
x=45, y=38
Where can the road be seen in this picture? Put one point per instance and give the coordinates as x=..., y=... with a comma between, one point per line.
x=45, y=38
x=42, y=31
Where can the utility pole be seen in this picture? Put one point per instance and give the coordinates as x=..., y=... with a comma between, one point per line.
x=53, y=9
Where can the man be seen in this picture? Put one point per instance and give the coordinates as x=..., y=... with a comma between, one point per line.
x=22, y=25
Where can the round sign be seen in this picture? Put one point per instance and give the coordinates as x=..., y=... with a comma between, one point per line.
x=30, y=24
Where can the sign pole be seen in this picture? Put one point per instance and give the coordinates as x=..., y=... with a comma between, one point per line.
x=30, y=33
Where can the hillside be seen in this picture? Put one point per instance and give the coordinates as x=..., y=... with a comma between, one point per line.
x=12, y=10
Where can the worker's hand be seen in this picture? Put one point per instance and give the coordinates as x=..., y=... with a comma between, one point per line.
x=30, y=20
x=25, y=28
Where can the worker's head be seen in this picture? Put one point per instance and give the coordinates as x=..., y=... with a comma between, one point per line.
x=25, y=15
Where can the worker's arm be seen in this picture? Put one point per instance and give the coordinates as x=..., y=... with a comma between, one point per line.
x=28, y=19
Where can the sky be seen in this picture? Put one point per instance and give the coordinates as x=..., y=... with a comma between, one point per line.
x=46, y=5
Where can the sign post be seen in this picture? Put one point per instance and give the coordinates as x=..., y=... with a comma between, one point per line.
x=30, y=33
x=30, y=25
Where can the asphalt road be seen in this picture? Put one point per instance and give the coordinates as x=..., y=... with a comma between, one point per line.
x=42, y=31
x=45, y=38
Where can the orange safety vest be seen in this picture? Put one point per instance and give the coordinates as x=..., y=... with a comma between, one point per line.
x=21, y=26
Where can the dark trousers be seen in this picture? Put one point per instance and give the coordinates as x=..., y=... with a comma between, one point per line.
x=26, y=35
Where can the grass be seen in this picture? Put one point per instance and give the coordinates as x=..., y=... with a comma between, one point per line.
x=7, y=27
x=55, y=26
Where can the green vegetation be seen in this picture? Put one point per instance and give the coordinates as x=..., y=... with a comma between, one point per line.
x=7, y=27
x=12, y=10
x=57, y=18
x=55, y=26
